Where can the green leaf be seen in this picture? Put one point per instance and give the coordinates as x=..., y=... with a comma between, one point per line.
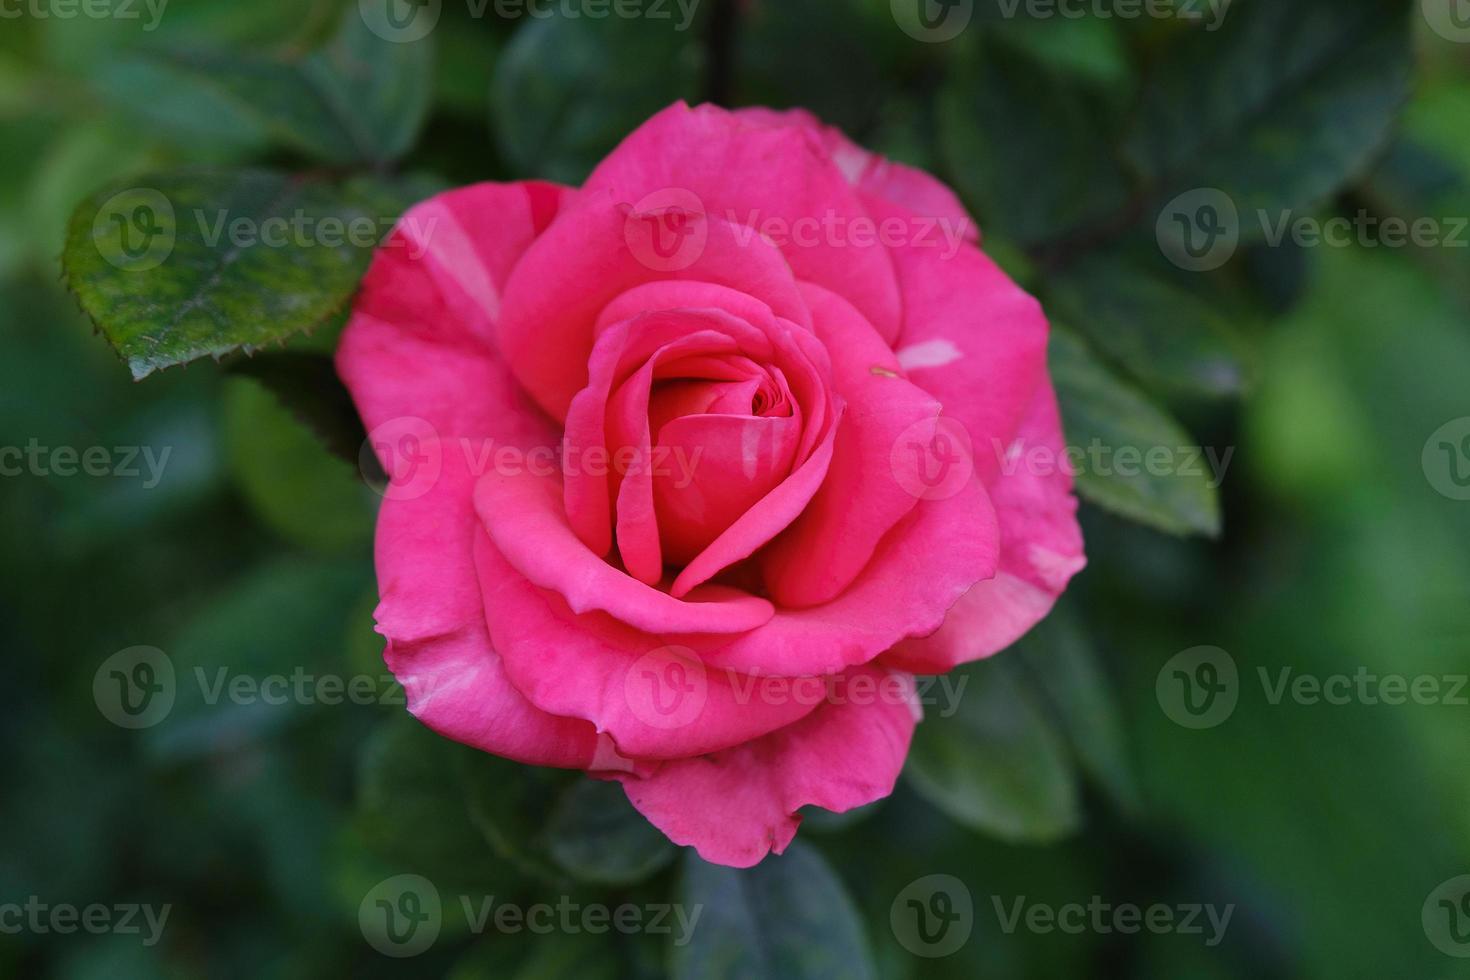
x=1059, y=659
x=787, y=917
x=567, y=90
x=1030, y=182
x=1114, y=427
x=359, y=99
x=596, y=834
x=412, y=813
x=306, y=384
x=1285, y=103
x=1165, y=333
x=998, y=765
x=175, y=267
x=310, y=497
x=508, y=803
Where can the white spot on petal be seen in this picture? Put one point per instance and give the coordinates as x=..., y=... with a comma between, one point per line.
x=929, y=354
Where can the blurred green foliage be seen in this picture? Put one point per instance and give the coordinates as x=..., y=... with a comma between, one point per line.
x=1323, y=370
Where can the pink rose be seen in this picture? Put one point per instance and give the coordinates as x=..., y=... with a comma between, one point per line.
x=692, y=469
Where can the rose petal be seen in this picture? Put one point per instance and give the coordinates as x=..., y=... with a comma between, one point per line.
x=1041, y=549
x=862, y=498
x=873, y=174
x=583, y=261
x=778, y=181
x=592, y=666
x=438, y=646
x=735, y=807
x=419, y=344
x=522, y=512
x=921, y=568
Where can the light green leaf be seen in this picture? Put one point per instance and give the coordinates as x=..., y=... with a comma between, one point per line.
x=175, y=267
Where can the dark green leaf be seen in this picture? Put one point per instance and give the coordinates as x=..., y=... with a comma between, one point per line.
x=1164, y=332
x=1114, y=427
x=508, y=803
x=1059, y=659
x=359, y=99
x=595, y=833
x=310, y=497
x=411, y=808
x=787, y=917
x=567, y=90
x=306, y=383
x=1285, y=103
x=1031, y=181
x=998, y=765
x=175, y=267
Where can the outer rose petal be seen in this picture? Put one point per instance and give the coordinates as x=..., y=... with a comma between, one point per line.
x=735, y=807
x=1041, y=549
x=971, y=337
x=419, y=341
x=875, y=175
x=438, y=646
x=768, y=179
